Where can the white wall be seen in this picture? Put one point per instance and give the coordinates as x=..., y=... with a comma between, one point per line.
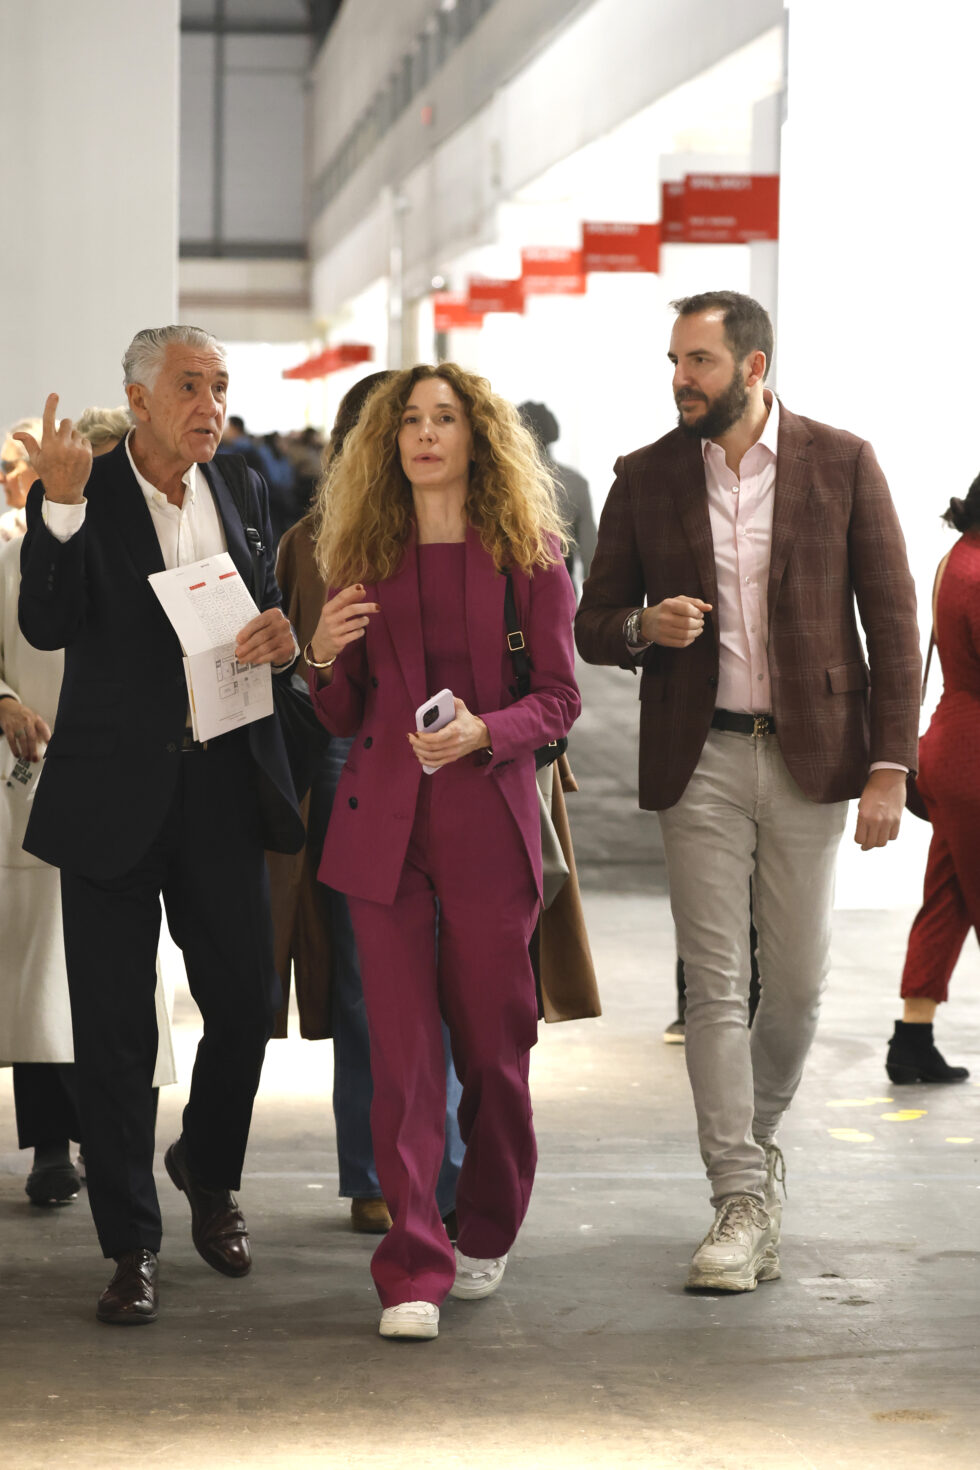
x=879, y=312
x=88, y=172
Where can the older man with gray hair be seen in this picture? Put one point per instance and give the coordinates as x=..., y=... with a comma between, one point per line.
x=132, y=808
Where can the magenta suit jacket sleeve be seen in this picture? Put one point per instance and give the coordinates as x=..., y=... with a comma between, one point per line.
x=553, y=704
x=340, y=704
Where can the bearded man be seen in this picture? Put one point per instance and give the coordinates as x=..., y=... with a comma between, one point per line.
x=730, y=555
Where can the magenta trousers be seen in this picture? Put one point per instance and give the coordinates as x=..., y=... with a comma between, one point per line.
x=465, y=856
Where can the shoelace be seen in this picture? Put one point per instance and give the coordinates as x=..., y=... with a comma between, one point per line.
x=775, y=1169
x=738, y=1214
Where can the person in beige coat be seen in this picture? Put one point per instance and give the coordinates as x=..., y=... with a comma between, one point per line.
x=35, y=1016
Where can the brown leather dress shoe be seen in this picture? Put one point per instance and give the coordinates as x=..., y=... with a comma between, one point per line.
x=218, y=1227
x=369, y=1216
x=131, y=1296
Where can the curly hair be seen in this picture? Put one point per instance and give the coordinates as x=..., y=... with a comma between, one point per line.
x=365, y=508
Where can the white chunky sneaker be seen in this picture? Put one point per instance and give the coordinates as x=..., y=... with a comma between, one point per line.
x=410, y=1319
x=738, y=1251
x=476, y=1277
x=775, y=1175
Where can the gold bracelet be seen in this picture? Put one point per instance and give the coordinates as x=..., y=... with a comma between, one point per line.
x=308, y=655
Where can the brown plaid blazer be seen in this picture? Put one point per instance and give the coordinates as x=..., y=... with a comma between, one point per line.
x=835, y=540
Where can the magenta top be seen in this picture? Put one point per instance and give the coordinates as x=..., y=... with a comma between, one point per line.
x=442, y=597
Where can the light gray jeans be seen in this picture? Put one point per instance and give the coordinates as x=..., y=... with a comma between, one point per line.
x=743, y=818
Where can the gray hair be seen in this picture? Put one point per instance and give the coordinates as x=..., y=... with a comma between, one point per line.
x=144, y=356
x=99, y=425
x=24, y=426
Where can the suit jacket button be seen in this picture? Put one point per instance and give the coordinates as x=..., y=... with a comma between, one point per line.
x=369, y=742
x=171, y=748
x=352, y=803
x=713, y=681
x=374, y=681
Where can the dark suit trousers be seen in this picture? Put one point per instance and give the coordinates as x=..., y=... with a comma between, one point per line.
x=207, y=863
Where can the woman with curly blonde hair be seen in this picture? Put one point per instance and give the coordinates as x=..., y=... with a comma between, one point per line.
x=438, y=503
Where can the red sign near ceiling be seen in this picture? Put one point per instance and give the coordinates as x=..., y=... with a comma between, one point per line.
x=672, y=223
x=451, y=310
x=331, y=360
x=548, y=270
x=731, y=209
x=487, y=293
x=620, y=247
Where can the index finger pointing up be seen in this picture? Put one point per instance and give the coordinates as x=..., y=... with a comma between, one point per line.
x=48, y=419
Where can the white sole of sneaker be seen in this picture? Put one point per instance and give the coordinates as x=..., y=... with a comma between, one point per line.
x=765, y=1268
x=409, y=1331
x=402, y=1327
x=466, y=1292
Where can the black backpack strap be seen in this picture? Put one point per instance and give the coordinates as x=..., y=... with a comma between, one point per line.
x=234, y=471
x=516, y=646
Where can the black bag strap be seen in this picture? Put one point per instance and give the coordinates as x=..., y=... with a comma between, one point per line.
x=516, y=646
x=234, y=471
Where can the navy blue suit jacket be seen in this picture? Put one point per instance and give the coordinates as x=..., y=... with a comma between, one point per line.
x=112, y=765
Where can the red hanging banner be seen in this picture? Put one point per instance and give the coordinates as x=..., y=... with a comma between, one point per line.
x=548, y=270
x=451, y=311
x=672, y=222
x=620, y=247
x=331, y=360
x=731, y=209
x=486, y=293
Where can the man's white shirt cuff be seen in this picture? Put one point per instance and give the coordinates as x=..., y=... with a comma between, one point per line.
x=62, y=520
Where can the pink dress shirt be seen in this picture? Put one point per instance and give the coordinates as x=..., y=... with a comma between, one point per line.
x=740, y=509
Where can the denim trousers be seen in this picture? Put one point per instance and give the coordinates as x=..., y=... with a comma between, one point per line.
x=352, y=1086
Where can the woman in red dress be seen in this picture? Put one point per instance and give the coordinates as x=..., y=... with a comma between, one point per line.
x=949, y=781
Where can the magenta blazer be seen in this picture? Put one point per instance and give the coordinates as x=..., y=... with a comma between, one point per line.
x=379, y=682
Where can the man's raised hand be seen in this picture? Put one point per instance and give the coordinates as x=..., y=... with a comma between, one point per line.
x=675, y=622
x=63, y=459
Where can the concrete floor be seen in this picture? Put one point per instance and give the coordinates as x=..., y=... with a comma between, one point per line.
x=865, y=1354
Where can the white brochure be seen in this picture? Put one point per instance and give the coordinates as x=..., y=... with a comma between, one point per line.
x=208, y=604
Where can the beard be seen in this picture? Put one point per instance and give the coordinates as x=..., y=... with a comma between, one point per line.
x=721, y=412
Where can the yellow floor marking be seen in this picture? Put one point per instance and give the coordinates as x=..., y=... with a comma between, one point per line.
x=859, y=1102
x=959, y=1140
x=851, y=1135
x=904, y=1115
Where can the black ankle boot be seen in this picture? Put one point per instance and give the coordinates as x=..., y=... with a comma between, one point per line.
x=913, y=1057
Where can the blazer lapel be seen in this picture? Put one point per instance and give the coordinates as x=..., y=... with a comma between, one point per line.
x=400, y=605
x=131, y=514
x=233, y=528
x=691, y=498
x=794, y=477
x=485, y=630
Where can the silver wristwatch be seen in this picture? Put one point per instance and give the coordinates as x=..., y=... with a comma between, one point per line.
x=631, y=630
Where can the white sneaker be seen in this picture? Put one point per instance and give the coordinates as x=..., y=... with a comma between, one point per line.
x=476, y=1277
x=738, y=1251
x=775, y=1175
x=410, y=1319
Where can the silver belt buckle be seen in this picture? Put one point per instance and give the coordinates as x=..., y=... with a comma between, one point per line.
x=761, y=726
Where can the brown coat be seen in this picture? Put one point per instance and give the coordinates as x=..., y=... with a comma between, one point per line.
x=835, y=538
x=299, y=912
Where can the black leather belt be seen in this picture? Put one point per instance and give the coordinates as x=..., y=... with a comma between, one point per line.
x=726, y=719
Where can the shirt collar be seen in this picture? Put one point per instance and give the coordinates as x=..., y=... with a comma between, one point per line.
x=151, y=492
x=769, y=438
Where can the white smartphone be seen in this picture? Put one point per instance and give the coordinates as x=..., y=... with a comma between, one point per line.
x=433, y=715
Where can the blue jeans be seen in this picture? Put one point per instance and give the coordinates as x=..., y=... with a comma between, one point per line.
x=352, y=1086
